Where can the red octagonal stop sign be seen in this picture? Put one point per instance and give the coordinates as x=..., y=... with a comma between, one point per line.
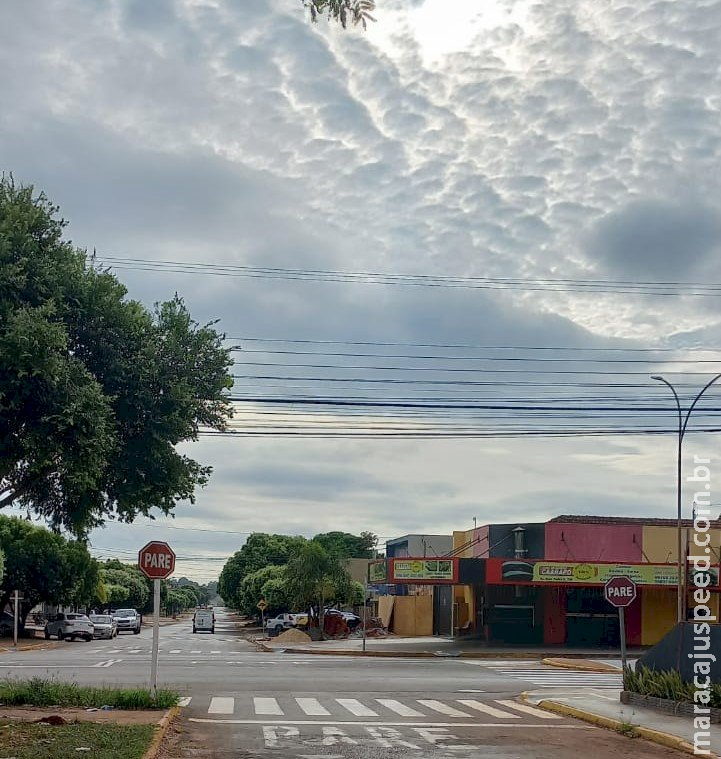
x=620, y=591
x=156, y=560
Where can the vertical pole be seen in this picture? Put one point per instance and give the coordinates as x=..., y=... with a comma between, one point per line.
x=156, y=636
x=262, y=620
x=622, y=632
x=15, y=618
x=453, y=613
x=365, y=614
x=680, y=616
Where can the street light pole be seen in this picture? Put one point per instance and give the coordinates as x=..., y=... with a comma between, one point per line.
x=682, y=424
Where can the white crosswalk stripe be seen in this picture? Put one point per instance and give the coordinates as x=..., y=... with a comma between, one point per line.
x=547, y=676
x=355, y=707
x=480, y=706
x=312, y=707
x=540, y=713
x=267, y=706
x=439, y=706
x=221, y=705
x=399, y=708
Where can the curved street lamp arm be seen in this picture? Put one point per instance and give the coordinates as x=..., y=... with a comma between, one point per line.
x=681, y=425
x=696, y=400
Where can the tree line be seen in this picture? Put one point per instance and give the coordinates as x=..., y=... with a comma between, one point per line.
x=49, y=568
x=292, y=573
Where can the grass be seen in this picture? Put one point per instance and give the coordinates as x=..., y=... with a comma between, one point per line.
x=667, y=684
x=25, y=740
x=50, y=692
x=627, y=729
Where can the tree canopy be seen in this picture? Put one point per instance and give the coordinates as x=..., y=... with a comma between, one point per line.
x=347, y=545
x=96, y=391
x=342, y=11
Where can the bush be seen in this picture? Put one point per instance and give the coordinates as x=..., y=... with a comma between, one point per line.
x=49, y=692
x=665, y=684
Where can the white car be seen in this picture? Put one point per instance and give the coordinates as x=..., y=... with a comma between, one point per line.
x=105, y=626
x=70, y=626
x=281, y=622
x=127, y=620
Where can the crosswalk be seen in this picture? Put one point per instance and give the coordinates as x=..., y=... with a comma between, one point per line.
x=545, y=675
x=423, y=709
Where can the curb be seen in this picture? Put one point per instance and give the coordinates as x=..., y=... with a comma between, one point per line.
x=520, y=655
x=581, y=665
x=655, y=736
x=30, y=646
x=163, y=727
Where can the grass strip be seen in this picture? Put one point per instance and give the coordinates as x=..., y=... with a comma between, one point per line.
x=40, y=691
x=25, y=740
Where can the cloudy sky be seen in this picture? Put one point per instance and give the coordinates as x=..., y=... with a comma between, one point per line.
x=521, y=142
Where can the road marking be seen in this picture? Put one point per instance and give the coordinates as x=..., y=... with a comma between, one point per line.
x=482, y=707
x=185, y=701
x=196, y=652
x=267, y=706
x=528, y=709
x=439, y=706
x=221, y=705
x=471, y=690
x=355, y=707
x=312, y=707
x=108, y=663
x=174, y=651
x=399, y=708
x=524, y=725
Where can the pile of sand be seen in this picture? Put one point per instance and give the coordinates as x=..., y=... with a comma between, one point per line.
x=292, y=635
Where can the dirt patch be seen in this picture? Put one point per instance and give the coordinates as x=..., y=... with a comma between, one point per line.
x=293, y=636
x=112, y=716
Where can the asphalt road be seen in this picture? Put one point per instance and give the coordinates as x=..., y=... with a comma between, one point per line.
x=243, y=703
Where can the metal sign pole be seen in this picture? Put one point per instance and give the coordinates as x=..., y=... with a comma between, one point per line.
x=365, y=614
x=262, y=618
x=622, y=631
x=15, y=618
x=156, y=636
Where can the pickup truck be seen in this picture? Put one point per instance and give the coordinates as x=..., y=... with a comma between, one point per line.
x=284, y=622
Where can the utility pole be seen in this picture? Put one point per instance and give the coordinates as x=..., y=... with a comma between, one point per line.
x=16, y=614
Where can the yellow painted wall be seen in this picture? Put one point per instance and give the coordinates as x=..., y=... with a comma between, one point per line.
x=464, y=599
x=658, y=613
x=462, y=538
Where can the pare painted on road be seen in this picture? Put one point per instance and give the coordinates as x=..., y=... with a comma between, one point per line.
x=416, y=738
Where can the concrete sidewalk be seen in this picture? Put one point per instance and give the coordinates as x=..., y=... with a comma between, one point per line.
x=605, y=709
x=436, y=646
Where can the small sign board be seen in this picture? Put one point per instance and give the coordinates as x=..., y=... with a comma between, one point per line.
x=620, y=591
x=262, y=605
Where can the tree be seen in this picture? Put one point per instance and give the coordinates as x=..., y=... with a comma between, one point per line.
x=315, y=577
x=267, y=583
x=357, y=11
x=348, y=546
x=259, y=550
x=95, y=390
x=115, y=573
x=44, y=566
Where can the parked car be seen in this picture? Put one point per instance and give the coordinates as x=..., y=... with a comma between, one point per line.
x=127, y=620
x=352, y=620
x=204, y=619
x=105, y=626
x=70, y=626
x=281, y=622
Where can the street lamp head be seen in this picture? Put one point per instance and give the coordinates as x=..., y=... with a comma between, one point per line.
x=656, y=377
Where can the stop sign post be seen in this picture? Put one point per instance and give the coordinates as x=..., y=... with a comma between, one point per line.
x=620, y=592
x=156, y=560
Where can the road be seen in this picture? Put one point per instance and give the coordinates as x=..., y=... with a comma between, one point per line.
x=242, y=703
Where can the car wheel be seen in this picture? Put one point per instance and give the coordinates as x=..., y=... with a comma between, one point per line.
x=136, y=632
x=88, y=638
x=61, y=635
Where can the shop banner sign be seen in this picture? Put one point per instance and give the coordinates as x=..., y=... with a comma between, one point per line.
x=582, y=573
x=377, y=572
x=424, y=570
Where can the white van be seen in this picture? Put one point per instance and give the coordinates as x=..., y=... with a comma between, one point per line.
x=204, y=619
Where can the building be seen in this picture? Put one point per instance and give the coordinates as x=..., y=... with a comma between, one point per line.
x=542, y=583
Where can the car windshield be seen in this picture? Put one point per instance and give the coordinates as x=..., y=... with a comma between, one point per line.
x=100, y=619
x=125, y=613
x=75, y=616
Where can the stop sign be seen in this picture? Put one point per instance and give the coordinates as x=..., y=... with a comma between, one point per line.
x=156, y=560
x=620, y=591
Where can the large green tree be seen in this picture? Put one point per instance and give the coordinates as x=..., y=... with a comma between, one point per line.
x=347, y=545
x=342, y=11
x=44, y=567
x=96, y=391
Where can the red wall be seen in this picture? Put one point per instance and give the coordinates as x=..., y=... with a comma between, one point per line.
x=481, y=535
x=593, y=542
x=554, y=616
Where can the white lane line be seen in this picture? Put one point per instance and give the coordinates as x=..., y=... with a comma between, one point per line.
x=439, y=706
x=215, y=652
x=521, y=726
x=267, y=706
x=355, y=707
x=399, y=708
x=185, y=701
x=221, y=705
x=174, y=651
x=312, y=707
x=480, y=706
x=528, y=709
x=196, y=652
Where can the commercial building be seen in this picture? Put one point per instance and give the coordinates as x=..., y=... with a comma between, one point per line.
x=542, y=583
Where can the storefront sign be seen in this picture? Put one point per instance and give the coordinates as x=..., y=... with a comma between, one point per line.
x=518, y=572
x=424, y=570
x=377, y=572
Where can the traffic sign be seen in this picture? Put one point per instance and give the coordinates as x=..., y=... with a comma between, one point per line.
x=262, y=605
x=620, y=591
x=156, y=560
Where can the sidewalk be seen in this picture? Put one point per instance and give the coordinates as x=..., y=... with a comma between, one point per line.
x=605, y=709
x=437, y=646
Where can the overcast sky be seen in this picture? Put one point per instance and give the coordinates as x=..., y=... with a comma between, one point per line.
x=554, y=140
